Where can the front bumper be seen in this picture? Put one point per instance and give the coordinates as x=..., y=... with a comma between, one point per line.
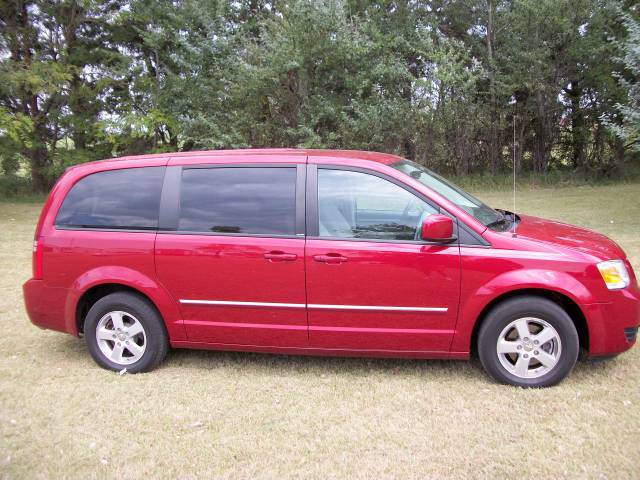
x=611, y=324
x=45, y=305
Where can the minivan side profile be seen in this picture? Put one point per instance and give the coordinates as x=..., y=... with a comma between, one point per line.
x=319, y=252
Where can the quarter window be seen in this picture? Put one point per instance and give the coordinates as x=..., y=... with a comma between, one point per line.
x=126, y=199
x=359, y=205
x=240, y=200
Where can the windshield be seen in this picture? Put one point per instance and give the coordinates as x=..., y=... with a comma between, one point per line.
x=467, y=202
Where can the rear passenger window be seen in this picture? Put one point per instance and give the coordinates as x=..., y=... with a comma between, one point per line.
x=126, y=199
x=241, y=200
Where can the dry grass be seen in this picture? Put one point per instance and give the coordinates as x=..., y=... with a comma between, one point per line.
x=226, y=415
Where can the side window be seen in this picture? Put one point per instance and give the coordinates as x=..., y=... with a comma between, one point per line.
x=259, y=200
x=127, y=199
x=359, y=205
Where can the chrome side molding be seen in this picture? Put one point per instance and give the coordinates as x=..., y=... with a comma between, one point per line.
x=316, y=306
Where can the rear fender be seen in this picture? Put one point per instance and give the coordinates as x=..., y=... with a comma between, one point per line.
x=162, y=300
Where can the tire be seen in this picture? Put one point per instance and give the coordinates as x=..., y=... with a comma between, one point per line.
x=124, y=330
x=551, y=345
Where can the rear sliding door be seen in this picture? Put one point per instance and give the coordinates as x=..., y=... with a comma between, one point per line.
x=231, y=252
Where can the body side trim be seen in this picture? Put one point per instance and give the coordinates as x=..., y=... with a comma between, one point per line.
x=377, y=307
x=315, y=306
x=241, y=304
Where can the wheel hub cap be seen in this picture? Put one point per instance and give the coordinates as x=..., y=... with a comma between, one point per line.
x=529, y=347
x=121, y=337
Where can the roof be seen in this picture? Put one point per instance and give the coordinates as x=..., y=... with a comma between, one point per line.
x=378, y=157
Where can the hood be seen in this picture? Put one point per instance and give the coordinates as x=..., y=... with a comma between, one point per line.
x=565, y=235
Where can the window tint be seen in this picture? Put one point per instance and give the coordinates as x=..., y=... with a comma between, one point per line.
x=238, y=200
x=358, y=205
x=127, y=198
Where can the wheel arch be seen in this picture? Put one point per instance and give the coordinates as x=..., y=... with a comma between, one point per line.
x=566, y=303
x=95, y=293
x=96, y=283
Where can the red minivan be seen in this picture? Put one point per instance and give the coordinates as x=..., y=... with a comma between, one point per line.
x=322, y=253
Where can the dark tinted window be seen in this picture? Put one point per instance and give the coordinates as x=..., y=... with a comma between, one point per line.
x=128, y=198
x=238, y=200
x=358, y=205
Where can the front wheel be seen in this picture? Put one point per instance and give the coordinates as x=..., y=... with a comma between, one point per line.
x=124, y=330
x=528, y=342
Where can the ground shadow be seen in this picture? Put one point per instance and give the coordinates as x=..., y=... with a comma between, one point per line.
x=75, y=350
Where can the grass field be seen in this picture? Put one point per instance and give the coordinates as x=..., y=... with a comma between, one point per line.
x=234, y=415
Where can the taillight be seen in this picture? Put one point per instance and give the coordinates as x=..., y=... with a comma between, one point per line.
x=37, y=258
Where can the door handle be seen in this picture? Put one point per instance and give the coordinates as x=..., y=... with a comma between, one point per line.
x=331, y=258
x=277, y=256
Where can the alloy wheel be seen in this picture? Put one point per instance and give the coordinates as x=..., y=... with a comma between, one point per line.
x=121, y=337
x=529, y=347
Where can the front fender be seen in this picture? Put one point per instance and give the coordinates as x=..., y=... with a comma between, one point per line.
x=475, y=297
x=128, y=277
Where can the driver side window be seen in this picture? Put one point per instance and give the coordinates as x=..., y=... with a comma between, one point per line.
x=359, y=205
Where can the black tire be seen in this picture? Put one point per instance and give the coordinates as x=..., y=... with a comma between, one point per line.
x=528, y=306
x=156, y=338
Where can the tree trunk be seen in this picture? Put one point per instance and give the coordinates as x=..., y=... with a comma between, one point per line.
x=38, y=160
x=519, y=143
x=542, y=143
x=618, y=148
x=578, y=130
x=494, y=142
x=409, y=149
x=462, y=144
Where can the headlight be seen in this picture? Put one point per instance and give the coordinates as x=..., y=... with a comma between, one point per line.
x=614, y=273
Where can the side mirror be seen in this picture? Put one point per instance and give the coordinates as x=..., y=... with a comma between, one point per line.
x=437, y=228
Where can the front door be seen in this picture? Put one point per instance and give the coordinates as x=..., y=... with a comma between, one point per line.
x=371, y=283
x=235, y=259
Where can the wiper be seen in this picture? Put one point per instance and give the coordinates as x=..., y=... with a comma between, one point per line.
x=502, y=220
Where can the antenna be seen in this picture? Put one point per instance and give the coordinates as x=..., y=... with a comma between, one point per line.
x=513, y=233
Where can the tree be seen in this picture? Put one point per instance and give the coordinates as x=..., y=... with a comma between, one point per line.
x=438, y=81
x=627, y=126
x=52, y=80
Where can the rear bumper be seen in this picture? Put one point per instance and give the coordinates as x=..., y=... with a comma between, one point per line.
x=611, y=324
x=45, y=305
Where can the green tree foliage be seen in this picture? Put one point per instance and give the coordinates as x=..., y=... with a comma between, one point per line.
x=443, y=82
x=627, y=129
x=53, y=77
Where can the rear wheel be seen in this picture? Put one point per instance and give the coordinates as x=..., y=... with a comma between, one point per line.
x=123, y=330
x=529, y=342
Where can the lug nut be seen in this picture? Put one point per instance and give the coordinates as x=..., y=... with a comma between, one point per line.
x=114, y=335
x=119, y=344
x=519, y=346
x=536, y=342
x=526, y=356
x=536, y=352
